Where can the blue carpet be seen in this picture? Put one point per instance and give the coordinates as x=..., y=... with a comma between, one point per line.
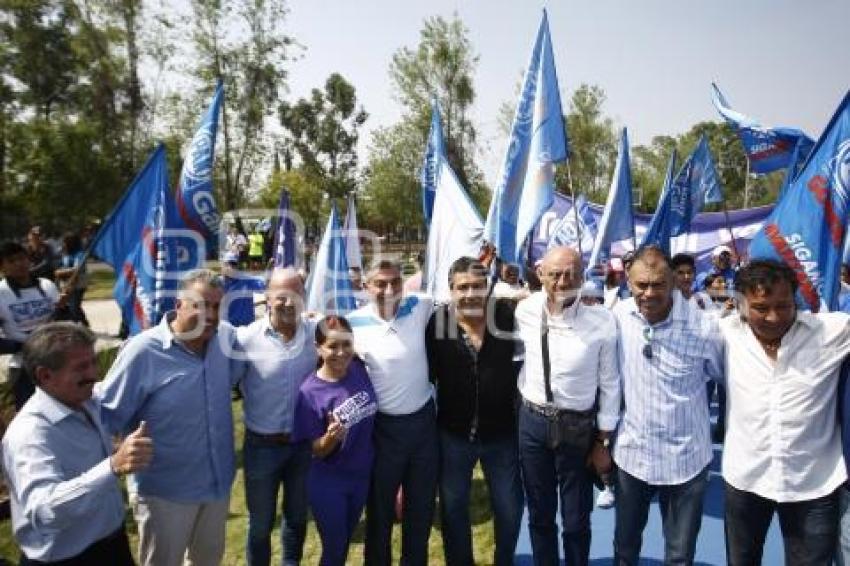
x=711, y=549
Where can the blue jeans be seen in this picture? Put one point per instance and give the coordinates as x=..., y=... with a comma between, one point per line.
x=809, y=528
x=406, y=455
x=681, y=517
x=267, y=466
x=553, y=475
x=500, y=461
x=842, y=552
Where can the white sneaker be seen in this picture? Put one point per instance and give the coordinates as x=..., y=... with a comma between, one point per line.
x=606, y=498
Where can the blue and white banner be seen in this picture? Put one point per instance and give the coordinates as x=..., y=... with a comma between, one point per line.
x=284, y=234
x=808, y=226
x=435, y=150
x=767, y=149
x=708, y=230
x=194, y=196
x=456, y=231
x=617, y=222
x=329, y=286
x=576, y=229
x=352, y=234
x=538, y=141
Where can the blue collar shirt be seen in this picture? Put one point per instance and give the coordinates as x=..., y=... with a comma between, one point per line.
x=273, y=372
x=185, y=399
x=64, y=496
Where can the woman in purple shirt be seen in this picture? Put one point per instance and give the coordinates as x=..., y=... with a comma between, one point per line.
x=335, y=412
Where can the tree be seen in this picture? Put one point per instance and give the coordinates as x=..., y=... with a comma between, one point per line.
x=442, y=65
x=305, y=197
x=592, y=145
x=242, y=43
x=324, y=130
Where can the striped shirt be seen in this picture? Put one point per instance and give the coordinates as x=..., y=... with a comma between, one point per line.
x=664, y=438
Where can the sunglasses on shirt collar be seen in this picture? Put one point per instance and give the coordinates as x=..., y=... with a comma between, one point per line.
x=647, y=348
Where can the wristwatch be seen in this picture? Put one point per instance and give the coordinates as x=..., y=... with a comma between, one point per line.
x=604, y=441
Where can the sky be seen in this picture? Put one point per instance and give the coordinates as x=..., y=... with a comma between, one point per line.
x=783, y=62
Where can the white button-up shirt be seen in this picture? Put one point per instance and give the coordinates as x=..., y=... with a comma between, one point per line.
x=782, y=435
x=663, y=438
x=582, y=354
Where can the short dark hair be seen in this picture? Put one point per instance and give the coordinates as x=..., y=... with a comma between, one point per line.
x=48, y=345
x=651, y=250
x=11, y=248
x=764, y=274
x=466, y=264
x=681, y=259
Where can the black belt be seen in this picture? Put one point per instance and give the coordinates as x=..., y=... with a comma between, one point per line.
x=275, y=438
x=550, y=412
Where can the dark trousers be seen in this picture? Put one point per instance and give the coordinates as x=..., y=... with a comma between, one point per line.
x=681, y=517
x=113, y=550
x=809, y=528
x=407, y=456
x=500, y=462
x=337, y=500
x=551, y=476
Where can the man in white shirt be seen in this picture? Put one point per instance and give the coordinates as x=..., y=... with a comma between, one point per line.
x=668, y=350
x=63, y=474
x=783, y=448
x=389, y=335
x=570, y=359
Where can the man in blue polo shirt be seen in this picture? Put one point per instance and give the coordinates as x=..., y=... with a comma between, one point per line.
x=389, y=335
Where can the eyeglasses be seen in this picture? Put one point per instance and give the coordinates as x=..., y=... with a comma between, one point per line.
x=647, y=348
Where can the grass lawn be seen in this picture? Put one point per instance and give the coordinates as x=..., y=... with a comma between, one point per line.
x=237, y=525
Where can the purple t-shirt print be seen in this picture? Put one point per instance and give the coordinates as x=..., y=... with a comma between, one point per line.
x=352, y=401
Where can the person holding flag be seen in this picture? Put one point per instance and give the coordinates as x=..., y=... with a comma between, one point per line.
x=177, y=377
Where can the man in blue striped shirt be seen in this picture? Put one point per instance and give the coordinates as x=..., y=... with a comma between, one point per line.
x=668, y=350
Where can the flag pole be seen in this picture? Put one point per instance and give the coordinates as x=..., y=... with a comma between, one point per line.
x=575, y=208
x=731, y=234
x=747, y=185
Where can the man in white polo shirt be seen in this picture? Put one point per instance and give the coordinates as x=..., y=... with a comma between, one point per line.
x=389, y=334
x=783, y=444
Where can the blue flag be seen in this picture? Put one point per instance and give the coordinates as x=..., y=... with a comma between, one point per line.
x=434, y=152
x=352, y=234
x=195, y=200
x=566, y=233
x=798, y=158
x=767, y=149
x=618, y=221
x=658, y=232
x=806, y=229
x=139, y=229
x=696, y=184
x=329, y=287
x=284, y=234
x=538, y=141
x=122, y=229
